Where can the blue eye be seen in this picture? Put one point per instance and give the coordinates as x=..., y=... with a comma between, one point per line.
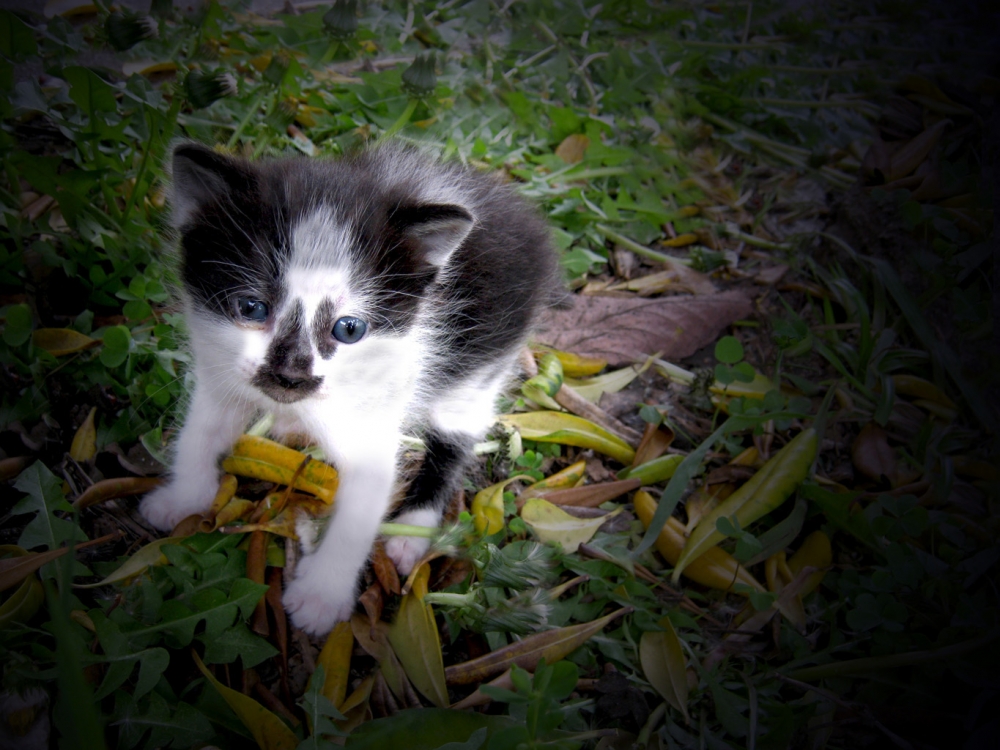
x=252, y=309
x=349, y=330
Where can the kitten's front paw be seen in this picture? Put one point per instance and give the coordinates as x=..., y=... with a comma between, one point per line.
x=169, y=504
x=318, y=597
x=406, y=551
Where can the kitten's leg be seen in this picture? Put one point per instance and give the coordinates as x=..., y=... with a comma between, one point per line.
x=324, y=589
x=458, y=419
x=210, y=429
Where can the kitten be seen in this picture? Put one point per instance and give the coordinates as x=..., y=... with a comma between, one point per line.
x=356, y=300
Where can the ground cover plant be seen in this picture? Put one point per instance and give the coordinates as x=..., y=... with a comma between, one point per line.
x=746, y=495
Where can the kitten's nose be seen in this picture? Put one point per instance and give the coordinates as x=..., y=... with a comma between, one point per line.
x=294, y=372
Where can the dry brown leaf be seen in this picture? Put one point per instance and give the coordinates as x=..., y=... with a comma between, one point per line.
x=655, y=441
x=676, y=279
x=573, y=147
x=872, y=455
x=622, y=330
x=385, y=570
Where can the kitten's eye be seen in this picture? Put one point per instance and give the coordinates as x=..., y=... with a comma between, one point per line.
x=252, y=309
x=349, y=330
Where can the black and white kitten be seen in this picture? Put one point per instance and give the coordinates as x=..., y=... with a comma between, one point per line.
x=356, y=300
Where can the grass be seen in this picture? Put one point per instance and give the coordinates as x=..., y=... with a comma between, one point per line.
x=731, y=139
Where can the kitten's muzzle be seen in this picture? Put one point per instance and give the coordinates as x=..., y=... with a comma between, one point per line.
x=286, y=385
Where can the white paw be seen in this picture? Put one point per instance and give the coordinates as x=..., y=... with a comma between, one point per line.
x=406, y=551
x=318, y=597
x=169, y=504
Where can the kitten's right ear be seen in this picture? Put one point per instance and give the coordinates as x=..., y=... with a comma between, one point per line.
x=201, y=176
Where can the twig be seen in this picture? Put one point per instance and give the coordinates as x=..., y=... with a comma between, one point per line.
x=572, y=401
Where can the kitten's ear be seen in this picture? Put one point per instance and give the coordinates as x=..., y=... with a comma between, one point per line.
x=201, y=176
x=436, y=229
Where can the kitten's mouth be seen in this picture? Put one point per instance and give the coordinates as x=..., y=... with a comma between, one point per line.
x=286, y=390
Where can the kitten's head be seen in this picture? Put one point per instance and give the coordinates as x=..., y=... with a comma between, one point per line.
x=305, y=276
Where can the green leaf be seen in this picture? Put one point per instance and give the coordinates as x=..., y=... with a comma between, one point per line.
x=18, y=324
x=121, y=659
x=728, y=350
x=17, y=39
x=117, y=341
x=235, y=642
x=183, y=727
x=424, y=729
x=45, y=499
x=320, y=713
x=91, y=93
x=137, y=309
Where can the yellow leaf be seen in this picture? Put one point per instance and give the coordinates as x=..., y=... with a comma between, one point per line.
x=414, y=638
x=911, y=385
x=610, y=382
x=487, y=508
x=84, y=446
x=60, y=341
x=149, y=555
x=552, y=645
x=23, y=603
x=756, y=388
x=571, y=476
x=573, y=147
x=573, y=365
x=320, y=476
x=270, y=732
x=662, y=658
x=764, y=492
x=815, y=552
x=148, y=67
x=715, y=568
x=553, y=524
x=681, y=240
x=569, y=429
x=335, y=658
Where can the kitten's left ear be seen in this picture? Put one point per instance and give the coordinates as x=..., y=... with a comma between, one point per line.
x=436, y=229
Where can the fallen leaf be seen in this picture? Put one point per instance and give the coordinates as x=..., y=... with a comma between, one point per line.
x=569, y=477
x=84, y=445
x=110, y=489
x=574, y=366
x=655, y=441
x=573, y=147
x=676, y=279
x=553, y=645
x=554, y=525
x=60, y=341
x=149, y=555
x=624, y=330
x=385, y=569
x=22, y=563
x=872, y=455
x=568, y=429
x=335, y=658
x=415, y=640
x=715, y=568
x=375, y=643
x=270, y=732
x=662, y=658
x=591, y=495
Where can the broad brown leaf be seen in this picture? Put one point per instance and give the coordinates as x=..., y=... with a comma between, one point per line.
x=622, y=330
